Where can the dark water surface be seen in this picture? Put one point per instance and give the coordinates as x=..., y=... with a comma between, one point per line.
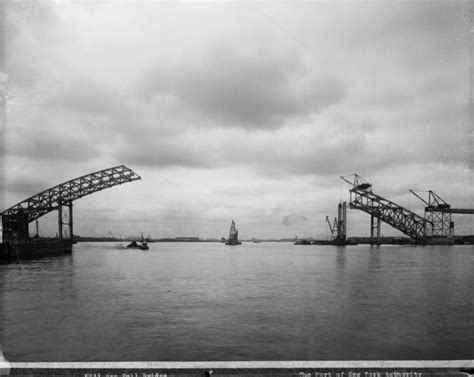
x=265, y=301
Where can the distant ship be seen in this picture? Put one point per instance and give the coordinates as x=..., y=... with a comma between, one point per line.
x=254, y=240
x=233, y=236
x=302, y=242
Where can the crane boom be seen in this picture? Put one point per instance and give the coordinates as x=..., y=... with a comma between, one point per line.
x=436, y=204
x=332, y=227
x=462, y=211
x=358, y=182
x=419, y=197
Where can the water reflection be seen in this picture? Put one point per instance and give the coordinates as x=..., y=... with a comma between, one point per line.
x=185, y=302
x=374, y=262
x=341, y=257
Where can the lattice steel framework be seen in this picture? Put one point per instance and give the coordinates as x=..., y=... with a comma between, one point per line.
x=406, y=221
x=438, y=213
x=397, y=216
x=62, y=195
x=441, y=224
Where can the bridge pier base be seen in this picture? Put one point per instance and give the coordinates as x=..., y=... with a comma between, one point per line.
x=65, y=221
x=374, y=230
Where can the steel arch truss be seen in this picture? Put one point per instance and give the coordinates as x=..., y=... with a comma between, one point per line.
x=400, y=218
x=65, y=193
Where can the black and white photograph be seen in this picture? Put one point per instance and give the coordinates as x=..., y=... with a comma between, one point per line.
x=283, y=183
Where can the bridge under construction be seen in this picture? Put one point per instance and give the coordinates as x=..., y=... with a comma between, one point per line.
x=435, y=227
x=16, y=240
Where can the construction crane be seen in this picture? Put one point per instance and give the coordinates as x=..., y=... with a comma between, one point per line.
x=440, y=224
x=357, y=182
x=339, y=225
x=438, y=213
x=333, y=228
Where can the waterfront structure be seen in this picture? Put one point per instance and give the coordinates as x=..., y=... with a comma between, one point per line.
x=338, y=228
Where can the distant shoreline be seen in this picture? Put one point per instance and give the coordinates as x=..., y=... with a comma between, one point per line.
x=461, y=239
x=178, y=239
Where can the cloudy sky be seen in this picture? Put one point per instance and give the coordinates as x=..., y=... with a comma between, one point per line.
x=236, y=110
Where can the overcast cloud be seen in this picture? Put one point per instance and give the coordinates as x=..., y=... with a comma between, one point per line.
x=246, y=111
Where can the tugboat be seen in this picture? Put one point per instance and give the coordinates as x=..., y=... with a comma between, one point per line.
x=135, y=245
x=233, y=236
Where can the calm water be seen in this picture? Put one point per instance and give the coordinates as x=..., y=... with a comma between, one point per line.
x=267, y=301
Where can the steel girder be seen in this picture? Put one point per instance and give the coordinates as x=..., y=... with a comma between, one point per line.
x=64, y=193
x=465, y=211
x=397, y=216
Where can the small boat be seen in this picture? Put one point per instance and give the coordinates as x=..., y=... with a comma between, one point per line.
x=233, y=236
x=135, y=245
x=254, y=240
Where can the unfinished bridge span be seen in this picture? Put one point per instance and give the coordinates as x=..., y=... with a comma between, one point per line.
x=381, y=209
x=15, y=219
x=435, y=227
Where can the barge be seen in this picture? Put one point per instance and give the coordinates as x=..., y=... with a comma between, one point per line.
x=34, y=248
